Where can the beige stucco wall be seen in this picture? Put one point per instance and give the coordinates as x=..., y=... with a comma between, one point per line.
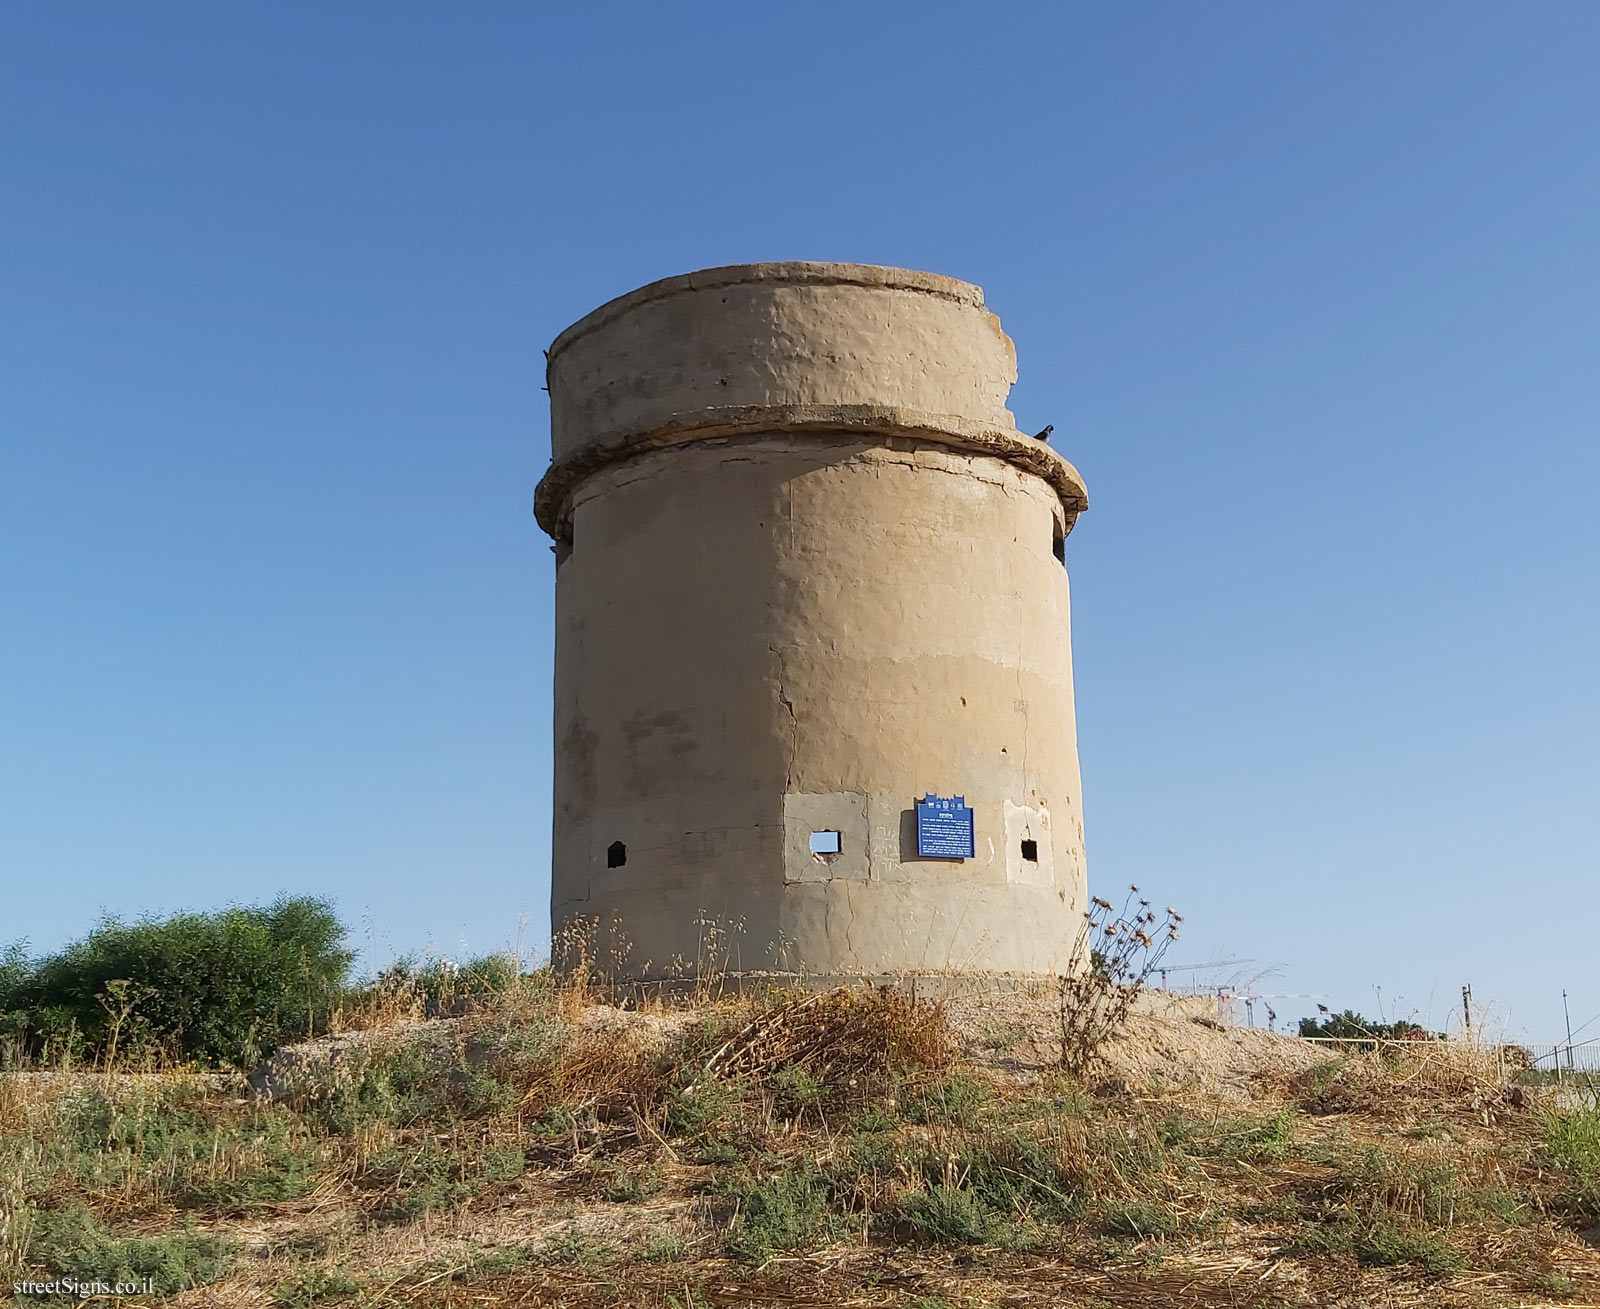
x=807, y=574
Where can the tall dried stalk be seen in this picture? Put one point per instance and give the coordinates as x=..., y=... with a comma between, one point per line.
x=1113, y=956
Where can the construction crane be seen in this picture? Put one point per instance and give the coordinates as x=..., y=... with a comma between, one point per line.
x=1250, y=997
x=1194, y=968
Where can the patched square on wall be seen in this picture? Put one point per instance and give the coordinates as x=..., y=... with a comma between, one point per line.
x=1029, y=849
x=825, y=837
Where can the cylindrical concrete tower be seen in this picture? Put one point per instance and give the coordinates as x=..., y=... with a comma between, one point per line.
x=808, y=575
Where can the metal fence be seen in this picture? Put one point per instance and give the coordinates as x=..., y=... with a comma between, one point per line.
x=1584, y=1057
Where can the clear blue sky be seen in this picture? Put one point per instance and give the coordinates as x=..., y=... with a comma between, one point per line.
x=1310, y=293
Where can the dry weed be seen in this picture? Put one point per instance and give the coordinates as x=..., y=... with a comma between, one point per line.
x=1397, y=1076
x=837, y=1035
x=1112, y=957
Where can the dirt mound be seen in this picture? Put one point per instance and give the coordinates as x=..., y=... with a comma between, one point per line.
x=1168, y=1044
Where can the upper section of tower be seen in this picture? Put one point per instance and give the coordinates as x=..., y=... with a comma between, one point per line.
x=912, y=347
x=786, y=347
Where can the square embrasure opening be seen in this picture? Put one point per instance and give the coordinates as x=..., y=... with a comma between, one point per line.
x=1030, y=851
x=825, y=845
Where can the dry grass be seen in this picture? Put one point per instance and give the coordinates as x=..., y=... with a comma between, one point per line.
x=1394, y=1077
x=849, y=1147
x=836, y=1035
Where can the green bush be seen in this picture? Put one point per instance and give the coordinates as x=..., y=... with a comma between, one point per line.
x=1394, y=1242
x=15, y=970
x=874, y=1118
x=796, y=1091
x=1010, y=1176
x=956, y=1101
x=71, y=1243
x=401, y=1081
x=224, y=987
x=393, y=1083
x=1379, y=1240
x=1351, y=1026
x=1141, y=1220
x=169, y=1144
x=695, y=1109
x=574, y=1247
x=410, y=1183
x=664, y=1247
x=781, y=1213
x=1572, y=1142
x=947, y=1215
x=1557, y=1285
x=442, y=985
x=314, y=1287
x=1238, y=1138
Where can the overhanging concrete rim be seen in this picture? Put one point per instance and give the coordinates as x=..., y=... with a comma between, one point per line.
x=552, y=499
x=795, y=273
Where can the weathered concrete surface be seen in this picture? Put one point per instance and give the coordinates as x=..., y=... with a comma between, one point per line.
x=808, y=573
x=786, y=347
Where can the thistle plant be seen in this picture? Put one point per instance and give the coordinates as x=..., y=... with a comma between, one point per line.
x=1113, y=956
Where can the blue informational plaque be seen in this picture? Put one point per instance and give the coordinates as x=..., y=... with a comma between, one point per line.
x=944, y=827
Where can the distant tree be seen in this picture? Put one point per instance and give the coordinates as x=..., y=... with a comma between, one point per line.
x=15, y=969
x=222, y=987
x=1352, y=1026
